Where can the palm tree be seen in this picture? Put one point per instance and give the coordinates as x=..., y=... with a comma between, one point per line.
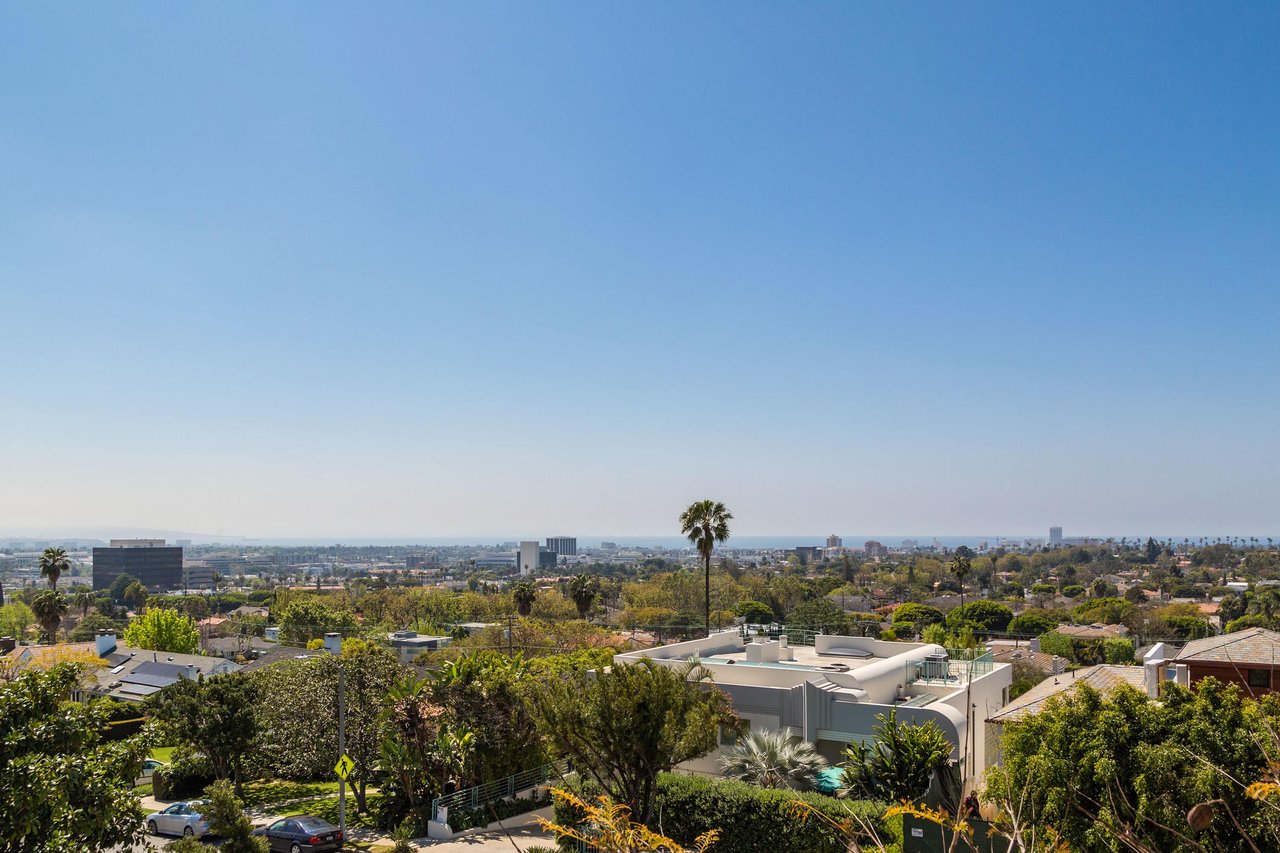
x=524, y=594
x=84, y=600
x=49, y=606
x=961, y=566
x=770, y=759
x=706, y=523
x=583, y=589
x=53, y=562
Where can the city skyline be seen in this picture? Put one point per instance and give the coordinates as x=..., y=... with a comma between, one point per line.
x=306, y=271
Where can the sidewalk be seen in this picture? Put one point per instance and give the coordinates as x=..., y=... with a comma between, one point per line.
x=523, y=830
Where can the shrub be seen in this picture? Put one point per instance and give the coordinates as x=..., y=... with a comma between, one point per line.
x=187, y=775
x=919, y=614
x=1118, y=650
x=1031, y=624
x=984, y=615
x=750, y=819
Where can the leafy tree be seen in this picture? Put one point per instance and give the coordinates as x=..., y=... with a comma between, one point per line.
x=771, y=759
x=88, y=627
x=584, y=589
x=524, y=594
x=15, y=618
x=1153, y=550
x=62, y=788
x=1031, y=624
x=754, y=612
x=308, y=619
x=420, y=753
x=1124, y=771
x=227, y=820
x=918, y=615
x=163, y=630
x=984, y=615
x=217, y=716
x=1073, y=590
x=1061, y=645
x=49, y=606
x=900, y=761
x=119, y=584
x=819, y=614
x=298, y=720
x=706, y=523
x=53, y=564
x=484, y=693
x=624, y=726
x=1107, y=611
x=1117, y=650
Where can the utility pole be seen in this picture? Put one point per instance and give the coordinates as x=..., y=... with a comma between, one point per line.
x=333, y=645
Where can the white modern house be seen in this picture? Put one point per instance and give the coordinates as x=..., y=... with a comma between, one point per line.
x=830, y=693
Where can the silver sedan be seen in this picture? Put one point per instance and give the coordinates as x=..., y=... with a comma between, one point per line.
x=179, y=819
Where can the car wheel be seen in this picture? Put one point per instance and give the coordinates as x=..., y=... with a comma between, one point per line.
x=188, y=831
x=295, y=848
x=151, y=827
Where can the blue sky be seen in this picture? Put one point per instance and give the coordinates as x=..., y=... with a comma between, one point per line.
x=322, y=269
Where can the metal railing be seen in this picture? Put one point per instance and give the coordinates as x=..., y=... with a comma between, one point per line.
x=490, y=792
x=960, y=666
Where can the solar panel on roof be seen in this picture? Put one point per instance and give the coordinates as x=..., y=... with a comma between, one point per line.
x=138, y=689
x=156, y=681
x=150, y=667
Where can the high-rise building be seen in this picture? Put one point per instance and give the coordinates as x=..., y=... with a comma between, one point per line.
x=872, y=548
x=834, y=541
x=156, y=566
x=1055, y=536
x=527, y=557
x=563, y=546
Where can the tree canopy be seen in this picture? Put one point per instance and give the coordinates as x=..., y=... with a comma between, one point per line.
x=163, y=630
x=62, y=788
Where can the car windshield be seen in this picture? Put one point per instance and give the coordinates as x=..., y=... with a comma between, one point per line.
x=315, y=824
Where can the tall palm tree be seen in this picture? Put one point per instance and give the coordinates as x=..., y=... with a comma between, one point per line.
x=53, y=562
x=49, y=606
x=583, y=589
x=706, y=523
x=770, y=759
x=524, y=594
x=961, y=566
x=84, y=600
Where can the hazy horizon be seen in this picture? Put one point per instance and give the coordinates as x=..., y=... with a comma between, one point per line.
x=286, y=269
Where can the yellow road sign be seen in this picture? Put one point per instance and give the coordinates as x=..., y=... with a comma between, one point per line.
x=344, y=766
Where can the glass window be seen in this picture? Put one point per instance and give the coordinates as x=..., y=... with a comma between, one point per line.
x=279, y=825
x=1260, y=678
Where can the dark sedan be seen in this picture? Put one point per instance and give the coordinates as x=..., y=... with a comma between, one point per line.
x=301, y=834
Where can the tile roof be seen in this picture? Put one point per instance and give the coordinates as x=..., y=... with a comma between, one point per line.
x=1252, y=645
x=1102, y=677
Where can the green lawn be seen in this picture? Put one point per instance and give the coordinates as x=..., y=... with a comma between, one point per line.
x=265, y=792
x=162, y=753
x=327, y=809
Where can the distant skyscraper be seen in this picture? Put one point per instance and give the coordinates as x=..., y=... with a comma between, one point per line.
x=874, y=549
x=1055, y=536
x=527, y=557
x=563, y=546
x=834, y=541
x=159, y=568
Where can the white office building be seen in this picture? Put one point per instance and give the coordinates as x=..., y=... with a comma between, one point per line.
x=528, y=557
x=1055, y=537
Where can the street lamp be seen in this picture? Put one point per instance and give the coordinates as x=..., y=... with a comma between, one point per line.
x=333, y=645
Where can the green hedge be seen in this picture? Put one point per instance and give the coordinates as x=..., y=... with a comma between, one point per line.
x=186, y=776
x=750, y=819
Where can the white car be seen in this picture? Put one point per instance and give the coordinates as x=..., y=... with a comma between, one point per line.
x=148, y=770
x=179, y=819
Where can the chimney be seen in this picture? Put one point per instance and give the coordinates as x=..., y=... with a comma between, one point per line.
x=333, y=643
x=1182, y=674
x=1152, y=675
x=271, y=634
x=105, y=643
x=192, y=673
